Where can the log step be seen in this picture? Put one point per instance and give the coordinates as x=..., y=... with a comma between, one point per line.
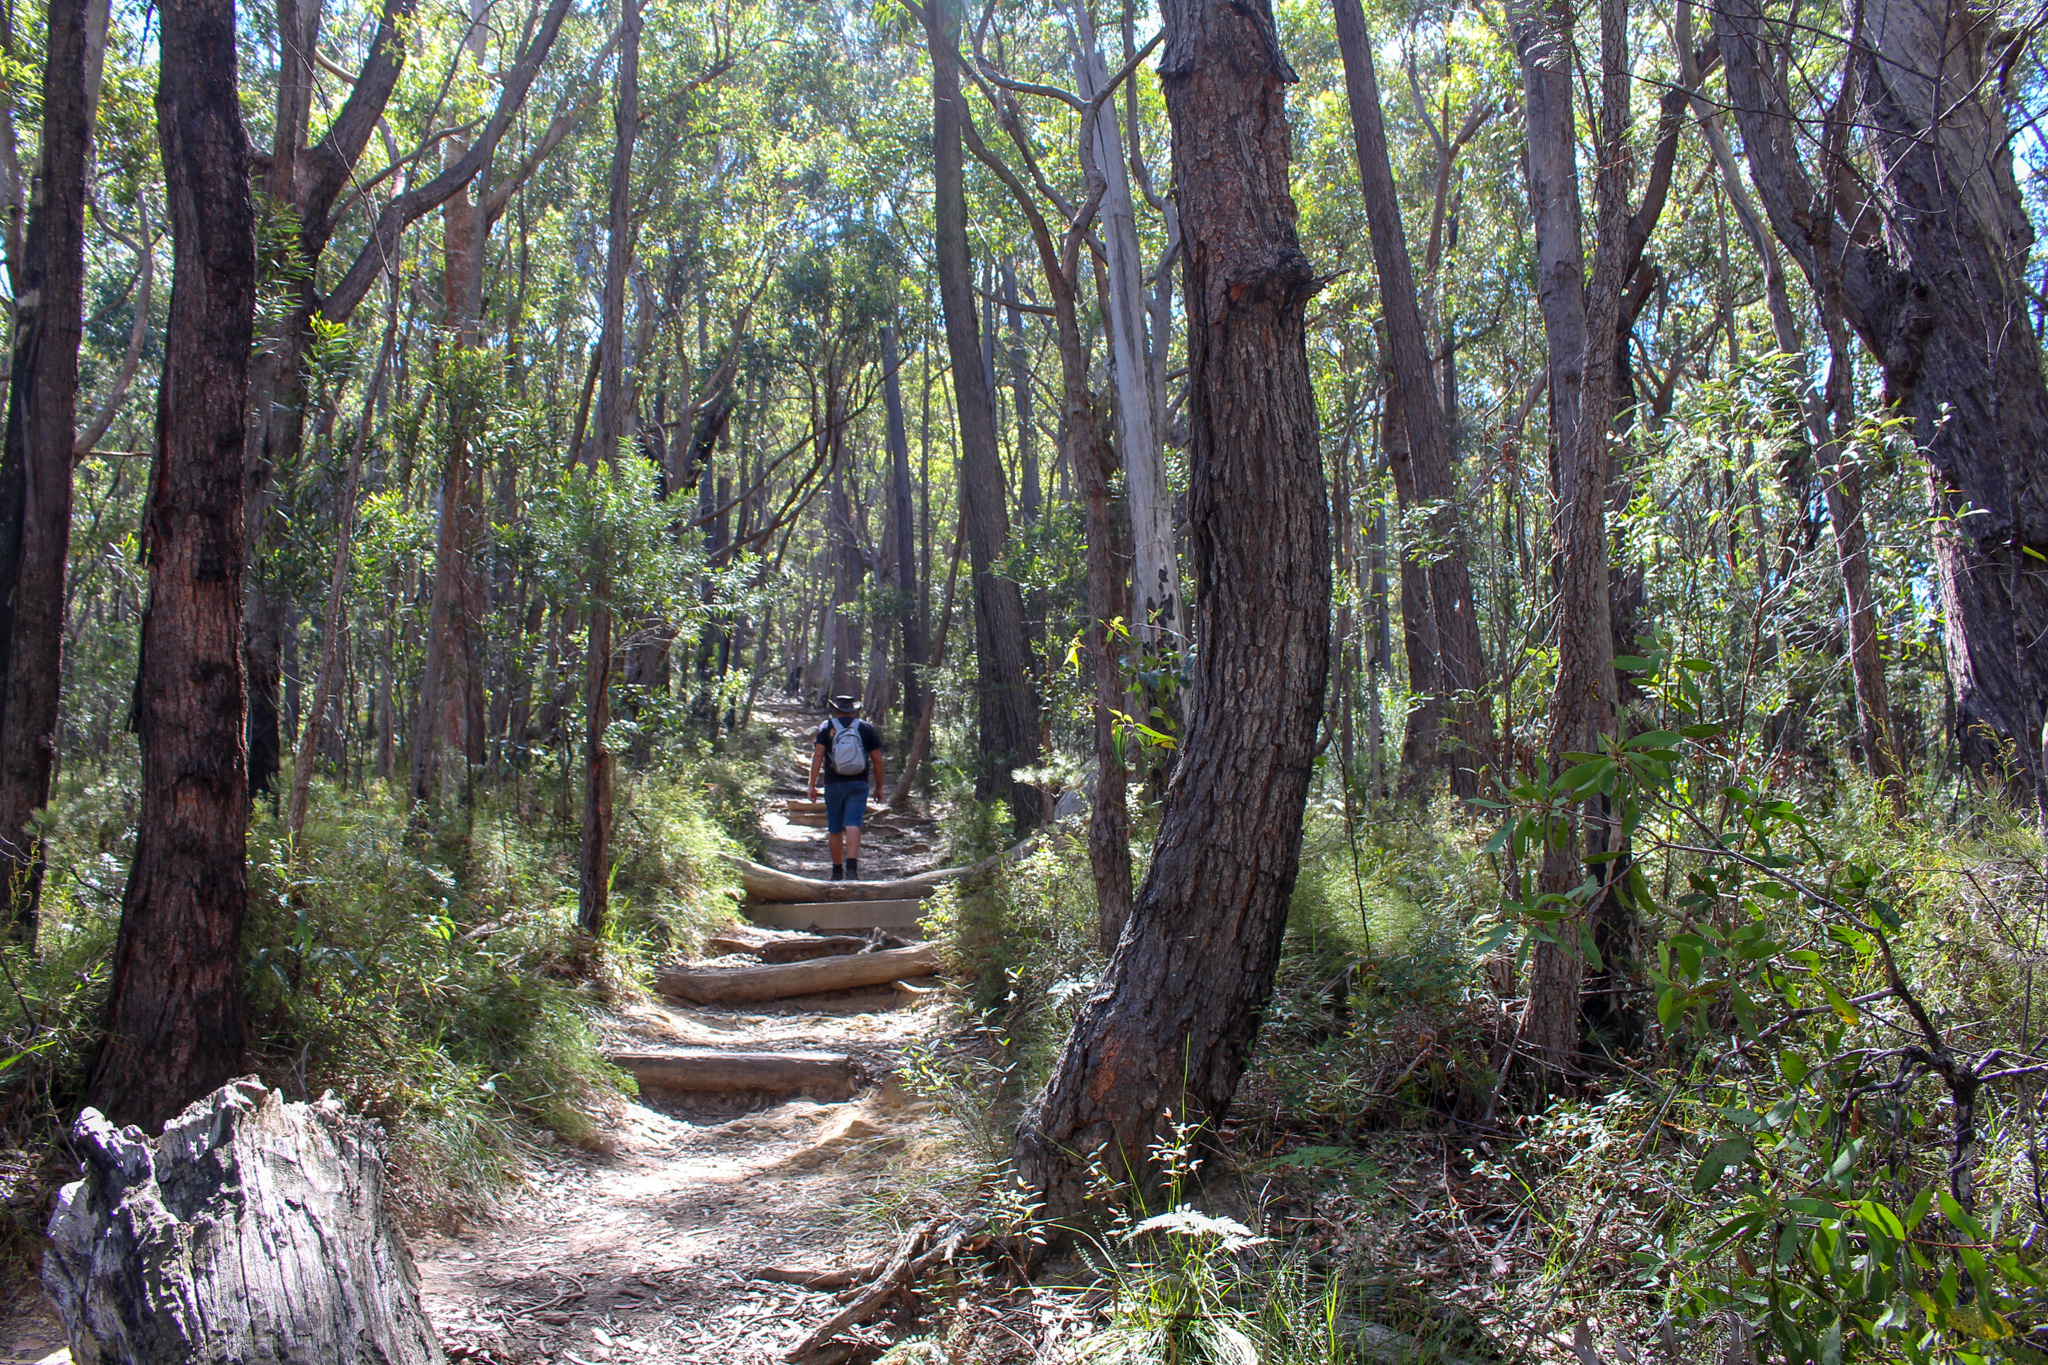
x=837, y=916
x=824, y=1075
x=796, y=947
x=729, y=985
x=765, y=883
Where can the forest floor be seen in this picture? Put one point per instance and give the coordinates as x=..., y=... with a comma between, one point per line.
x=645, y=1247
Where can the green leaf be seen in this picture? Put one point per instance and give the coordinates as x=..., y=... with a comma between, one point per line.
x=1671, y=1004
x=1719, y=1157
x=1839, y=1003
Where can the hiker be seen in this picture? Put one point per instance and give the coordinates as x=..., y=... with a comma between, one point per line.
x=849, y=754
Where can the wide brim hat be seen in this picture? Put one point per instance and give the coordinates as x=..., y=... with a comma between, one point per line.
x=846, y=703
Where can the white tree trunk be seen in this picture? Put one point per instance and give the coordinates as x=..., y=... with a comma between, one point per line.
x=1156, y=608
x=251, y=1232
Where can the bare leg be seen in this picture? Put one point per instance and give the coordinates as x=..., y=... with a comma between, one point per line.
x=838, y=846
x=852, y=843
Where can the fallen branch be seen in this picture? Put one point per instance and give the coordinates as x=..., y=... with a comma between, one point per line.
x=722, y=985
x=921, y=1249
x=895, y=1276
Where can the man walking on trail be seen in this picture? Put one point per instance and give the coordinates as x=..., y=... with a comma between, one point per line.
x=849, y=754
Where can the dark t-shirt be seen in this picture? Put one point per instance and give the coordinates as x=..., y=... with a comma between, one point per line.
x=870, y=740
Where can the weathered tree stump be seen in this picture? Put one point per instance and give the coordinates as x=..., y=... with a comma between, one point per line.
x=251, y=1232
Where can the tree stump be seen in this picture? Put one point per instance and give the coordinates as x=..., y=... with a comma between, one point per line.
x=252, y=1232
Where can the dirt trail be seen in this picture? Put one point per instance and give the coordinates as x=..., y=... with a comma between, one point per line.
x=645, y=1251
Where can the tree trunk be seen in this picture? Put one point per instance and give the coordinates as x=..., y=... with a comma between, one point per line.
x=174, y=1015
x=593, y=861
x=1419, y=737
x=1006, y=702
x=252, y=1232
x=1029, y=495
x=35, y=471
x=1170, y=1027
x=729, y=985
x=334, y=630
x=1583, y=703
x=1459, y=662
x=905, y=533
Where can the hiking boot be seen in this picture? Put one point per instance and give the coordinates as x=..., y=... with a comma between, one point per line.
x=853, y=869
x=838, y=873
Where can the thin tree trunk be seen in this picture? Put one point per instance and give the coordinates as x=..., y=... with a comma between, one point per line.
x=326, y=686
x=905, y=532
x=593, y=862
x=1460, y=664
x=174, y=1015
x=1170, y=1028
x=35, y=469
x=1007, y=704
x=307, y=179
x=1583, y=704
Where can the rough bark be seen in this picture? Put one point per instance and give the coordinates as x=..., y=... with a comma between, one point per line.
x=174, y=1016
x=1419, y=736
x=1005, y=699
x=252, y=1232
x=593, y=857
x=1460, y=664
x=35, y=466
x=1170, y=1027
x=1929, y=274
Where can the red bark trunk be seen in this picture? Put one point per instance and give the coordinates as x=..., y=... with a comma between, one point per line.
x=1169, y=1029
x=35, y=473
x=174, y=1017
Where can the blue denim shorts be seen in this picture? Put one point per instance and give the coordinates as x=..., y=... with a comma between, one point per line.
x=846, y=803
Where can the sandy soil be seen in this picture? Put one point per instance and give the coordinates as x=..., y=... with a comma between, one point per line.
x=646, y=1251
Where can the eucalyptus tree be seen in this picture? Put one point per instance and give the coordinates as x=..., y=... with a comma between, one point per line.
x=1921, y=251
x=1426, y=422
x=35, y=465
x=1006, y=698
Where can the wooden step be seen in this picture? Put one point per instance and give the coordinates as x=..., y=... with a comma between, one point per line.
x=835, y=916
x=706, y=985
x=823, y=1075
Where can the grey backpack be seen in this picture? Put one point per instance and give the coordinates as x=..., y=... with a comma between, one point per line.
x=849, y=759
